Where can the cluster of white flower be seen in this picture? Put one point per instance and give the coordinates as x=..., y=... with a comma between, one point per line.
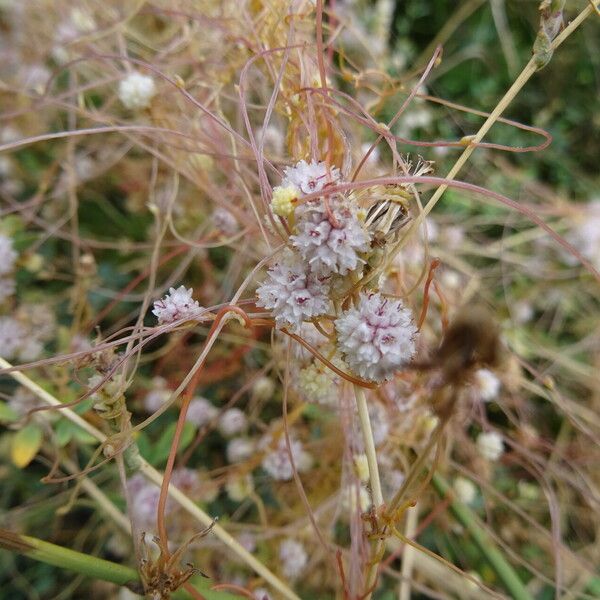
x=276, y=461
x=465, y=490
x=327, y=240
x=224, y=221
x=585, y=236
x=22, y=401
x=157, y=396
x=330, y=241
x=377, y=337
x=293, y=293
x=318, y=384
x=490, y=445
x=8, y=256
x=240, y=488
x=144, y=496
x=13, y=337
x=178, y=304
x=486, y=385
x=310, y=177
x=232, y=422
x=200, y=412
x=239, y=449
x=293, y=558
x=136, y=90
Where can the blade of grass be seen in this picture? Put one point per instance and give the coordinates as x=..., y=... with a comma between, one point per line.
x=469, y=521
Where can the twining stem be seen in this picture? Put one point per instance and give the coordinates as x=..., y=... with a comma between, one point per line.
x=529, y=69
x=488, y=548
x=367, y=434
x=218, y=324
x=153, y=475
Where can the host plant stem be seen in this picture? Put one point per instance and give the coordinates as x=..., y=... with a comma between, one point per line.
x=153, y=475
x=367, y=434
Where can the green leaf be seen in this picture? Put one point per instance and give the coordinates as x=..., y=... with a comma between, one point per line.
x=63, y=432
x=83, y=436
x=163, y=446
x=25, y=445
x=7, y=414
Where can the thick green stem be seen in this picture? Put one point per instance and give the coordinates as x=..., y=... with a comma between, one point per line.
x=488, y=548
x=51, y=554
x=91, y=566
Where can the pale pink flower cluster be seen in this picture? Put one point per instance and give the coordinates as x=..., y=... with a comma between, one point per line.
x=293, y=558
x=490, y=445
x=240, y=449
x=178, y=304
x=157, y=396
x=8, y=256
x=201, y=412
x=136, y=90
x=585, y=235
x=327, y=240
x=310, y=177
x=13, y=337
x=293, y=293
x=225, y=221
x=232, y=422
x=331, y=246
x=276, y=461
x=486, y=385
x=377, y=337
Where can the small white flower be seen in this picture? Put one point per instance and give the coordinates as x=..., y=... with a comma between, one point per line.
x=276, y=461
x=176, y=305
x=82, y=20
x=261, y=594
x=240, y=449
x=377, y=337
x=232, y=421
x=263, y=388
x=224, y=221
x=465, y=490
x=7, y=255
x=310, y=177
x=293, y=293
x=239, y=488
x=331, y=245
x=136, y=90
x=293, y=558
x=318, y=384
x=200, y=412
x=157, y=396
x=22, y=401
x=490, y=445
x=486, y=385
x=522, y=312
x=31, y=349
x=12, y=337
x=585, y=235
x=185, y=479
x=144, y=499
